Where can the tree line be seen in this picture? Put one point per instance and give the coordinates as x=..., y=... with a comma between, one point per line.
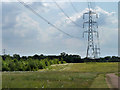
x=36, y=62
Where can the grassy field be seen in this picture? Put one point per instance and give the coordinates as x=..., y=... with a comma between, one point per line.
x=118, y=74
x=77, y=75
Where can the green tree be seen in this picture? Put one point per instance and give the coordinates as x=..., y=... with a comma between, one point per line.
x=16, y=56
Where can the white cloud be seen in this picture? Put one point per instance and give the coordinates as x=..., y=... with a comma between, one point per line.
x=30, y=33
x=106, y=18
x=26, y=26
x=100, y=10
x=108, y=31
x=108, y=35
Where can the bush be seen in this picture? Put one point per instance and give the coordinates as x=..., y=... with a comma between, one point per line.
x=16, y=63
x=43, y=64
x=59, y=62
x=47, y=63
x=5, y=66
x=64, y=62
x=51, y=62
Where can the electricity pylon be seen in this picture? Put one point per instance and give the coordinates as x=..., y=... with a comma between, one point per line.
x=4, y=51
x=92, y=50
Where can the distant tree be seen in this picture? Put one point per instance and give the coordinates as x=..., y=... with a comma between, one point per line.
x=6, y=56
x=63, y=54
x=33, y=63
x=24, y=58
x=16, y=56
x=36, y=56
x=42, y=56
x=5, y=66
x=107, y=58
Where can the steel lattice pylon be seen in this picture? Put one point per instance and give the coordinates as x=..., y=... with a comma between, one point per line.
x=92, y=49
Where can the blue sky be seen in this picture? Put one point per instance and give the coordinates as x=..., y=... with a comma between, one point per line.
x=25, y=33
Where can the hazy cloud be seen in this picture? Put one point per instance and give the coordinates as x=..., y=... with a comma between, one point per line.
x=25, y=35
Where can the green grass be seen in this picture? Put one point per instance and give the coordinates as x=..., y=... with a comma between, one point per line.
x=56, y=67
x=51, y=79
x=78, y=75
x=118, y=74
x=93, y=67
x=99, y=82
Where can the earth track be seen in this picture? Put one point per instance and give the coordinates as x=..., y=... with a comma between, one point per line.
x=112, y=80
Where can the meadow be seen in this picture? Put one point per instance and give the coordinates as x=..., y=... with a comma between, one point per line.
x=69, y=75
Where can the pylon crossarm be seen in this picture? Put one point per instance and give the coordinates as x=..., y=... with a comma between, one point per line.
x=91, y=25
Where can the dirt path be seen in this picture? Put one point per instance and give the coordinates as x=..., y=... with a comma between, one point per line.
x=112, y=80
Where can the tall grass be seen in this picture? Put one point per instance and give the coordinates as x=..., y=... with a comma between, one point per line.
x=78, y=75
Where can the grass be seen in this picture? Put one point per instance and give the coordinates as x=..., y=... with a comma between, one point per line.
x=118, y=74
x=93, y=67
x=52, y=79
x=56, y=67
x=99, y=82
x=78, y=75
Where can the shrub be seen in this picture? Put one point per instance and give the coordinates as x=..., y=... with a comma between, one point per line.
x=59, y=62
x=16, y=63
x=64, y=62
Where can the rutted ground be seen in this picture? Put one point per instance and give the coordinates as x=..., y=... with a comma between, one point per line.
x=77, y=75
x=112, y=80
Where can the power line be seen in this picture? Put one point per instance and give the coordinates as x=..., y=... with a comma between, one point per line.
x=31, y=9
x=73, y=7
x=66, y=14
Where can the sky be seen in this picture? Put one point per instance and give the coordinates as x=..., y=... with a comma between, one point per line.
x=25, y=33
